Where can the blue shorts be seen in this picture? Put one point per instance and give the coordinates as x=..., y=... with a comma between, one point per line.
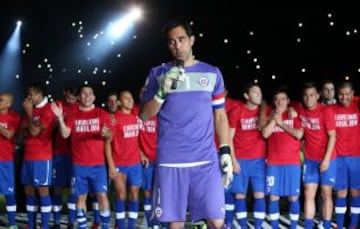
x=89, y=179
x=198, y=189
x=251, y=171
x=36, y=173
x=311, y=173
x=7, y=178
x=148, y=177
x=347, y=173
x=62, y=170
x=133, y=174
x=283, y=180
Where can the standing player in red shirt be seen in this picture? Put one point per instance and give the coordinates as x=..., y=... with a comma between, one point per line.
x=283, y=135
x=148, y=142
x=126, y=156
x=111, y=105
x=9, y=124
x=62, y=165
x=248, y=151
x=36, y=174
x=87, y=127
x=348, y=152
x=320, y=165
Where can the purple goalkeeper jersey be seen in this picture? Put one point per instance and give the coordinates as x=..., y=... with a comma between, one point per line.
x=186, y=123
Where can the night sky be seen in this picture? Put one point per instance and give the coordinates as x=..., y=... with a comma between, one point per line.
x=271, y=43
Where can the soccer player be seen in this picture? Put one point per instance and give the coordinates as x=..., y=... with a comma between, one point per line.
x=327, y=93
x=126, y=156
x=318, y=122
x=90, y=139
x=9, y=124
x=112, y=103
x=348, y=155
x=147, y=142
x=248, y=149
x=62, y=165
x=327, y=97
x=188, y=105
x=36, y=173
x=283, y=134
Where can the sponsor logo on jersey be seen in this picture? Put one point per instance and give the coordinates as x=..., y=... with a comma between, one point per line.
x=158, y=212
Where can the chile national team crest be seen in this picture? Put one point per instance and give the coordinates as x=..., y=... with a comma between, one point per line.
x=203, y=81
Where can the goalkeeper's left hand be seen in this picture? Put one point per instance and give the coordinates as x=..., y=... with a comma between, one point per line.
x=226, y=165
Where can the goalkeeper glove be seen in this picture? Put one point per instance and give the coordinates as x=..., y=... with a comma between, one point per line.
x=173, y=76
x=226, y=165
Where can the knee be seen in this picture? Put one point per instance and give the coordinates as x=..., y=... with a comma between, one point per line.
x=215, y=223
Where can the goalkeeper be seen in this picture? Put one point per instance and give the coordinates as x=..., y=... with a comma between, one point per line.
x=188, y=100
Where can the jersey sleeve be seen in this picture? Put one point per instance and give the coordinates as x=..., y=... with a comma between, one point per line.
x=218, y=96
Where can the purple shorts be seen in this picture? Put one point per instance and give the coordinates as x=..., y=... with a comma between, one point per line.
x=197, y=189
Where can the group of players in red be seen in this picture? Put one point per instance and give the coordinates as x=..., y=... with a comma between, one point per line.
x=62, y=140
x=266, y=145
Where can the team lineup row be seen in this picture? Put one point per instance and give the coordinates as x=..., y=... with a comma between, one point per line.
x=168, y=146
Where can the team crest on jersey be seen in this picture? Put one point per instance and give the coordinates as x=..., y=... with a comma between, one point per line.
x=158, y=212
x=203, y=81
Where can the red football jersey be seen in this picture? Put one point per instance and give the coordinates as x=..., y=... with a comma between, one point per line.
x=248, y=141
x=125, y=143
x=40, y=147
x=87, y=144
x=9, y=121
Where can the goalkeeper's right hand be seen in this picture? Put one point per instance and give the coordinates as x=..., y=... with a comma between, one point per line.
x=174, y=74
x=226, y=165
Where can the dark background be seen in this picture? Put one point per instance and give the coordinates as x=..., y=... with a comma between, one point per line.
x=325, y=51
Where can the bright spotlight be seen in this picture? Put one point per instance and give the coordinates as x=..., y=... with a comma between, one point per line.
x=105, y=40
x=10, y=65
x=19, y=23
x=119, y=28
x=136, y=13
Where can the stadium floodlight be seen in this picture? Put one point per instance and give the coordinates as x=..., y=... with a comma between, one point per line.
x=120, y=27
x=10, y=65
x=98, y=45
